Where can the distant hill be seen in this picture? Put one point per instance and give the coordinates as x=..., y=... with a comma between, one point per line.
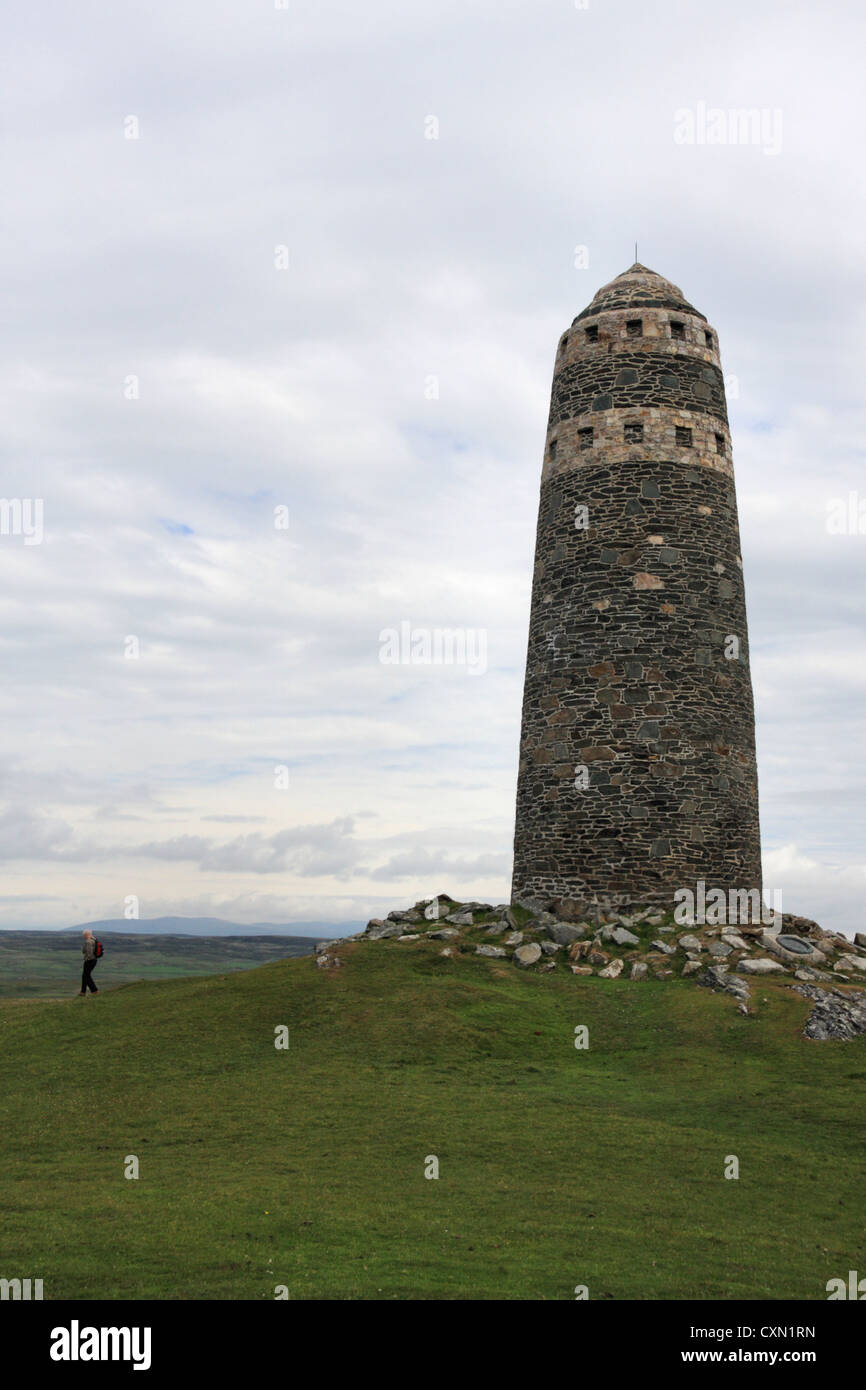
x=47, y=964
x=216, y=926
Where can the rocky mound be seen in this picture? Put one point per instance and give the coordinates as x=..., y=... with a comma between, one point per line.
x=565, y=935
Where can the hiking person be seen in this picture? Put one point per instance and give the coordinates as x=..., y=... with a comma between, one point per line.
x=90, y=958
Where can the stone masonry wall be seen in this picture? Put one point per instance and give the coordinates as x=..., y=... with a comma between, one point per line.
x=637, y=765
x=624, y=379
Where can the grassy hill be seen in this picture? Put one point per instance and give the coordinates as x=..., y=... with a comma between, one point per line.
x=305, y=1167
x=40, y=963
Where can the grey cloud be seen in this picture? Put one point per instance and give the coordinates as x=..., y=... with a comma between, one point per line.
x=309, y=851
x=415, y=863
x=408, y=258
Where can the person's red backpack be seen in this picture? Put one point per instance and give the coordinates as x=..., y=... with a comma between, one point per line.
x=98, y=949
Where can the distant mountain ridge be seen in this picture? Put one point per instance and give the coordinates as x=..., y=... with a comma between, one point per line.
x=215, y=926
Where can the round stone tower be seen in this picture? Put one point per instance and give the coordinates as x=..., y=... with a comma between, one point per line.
x=637, y=753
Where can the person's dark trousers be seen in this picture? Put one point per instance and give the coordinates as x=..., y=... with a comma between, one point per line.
x=87, y=977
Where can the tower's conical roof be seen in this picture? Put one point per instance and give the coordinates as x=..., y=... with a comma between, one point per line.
x=639, y=288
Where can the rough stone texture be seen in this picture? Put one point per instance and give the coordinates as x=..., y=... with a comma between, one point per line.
x=734, y=940
x=563, y=934
x=626, y=669
x=640, y=289
x=623, y=937
x=382, y=930
x=570, y=909
x=619, y=380
x=438, y=907
x=532, y=905
x=835, y=1015
x=527, y=955
x=717, y=977
x=801, y=926
x=761, y=966
x=612, y=971
x=690, y=943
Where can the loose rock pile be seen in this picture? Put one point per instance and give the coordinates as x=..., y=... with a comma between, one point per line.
x=567, y=935
x=837, y=1013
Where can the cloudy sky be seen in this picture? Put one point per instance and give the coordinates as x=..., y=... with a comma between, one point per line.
x=308, y=264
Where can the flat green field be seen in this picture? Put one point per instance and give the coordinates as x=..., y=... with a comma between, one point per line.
x=305, y=1167
x=48, y=964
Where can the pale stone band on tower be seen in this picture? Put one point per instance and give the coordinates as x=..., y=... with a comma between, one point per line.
x=637, y=760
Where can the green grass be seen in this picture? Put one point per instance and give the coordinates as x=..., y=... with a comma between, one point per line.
x=41, y=964
x=305, y=1167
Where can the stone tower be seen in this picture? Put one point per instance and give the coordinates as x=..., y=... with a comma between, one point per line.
x=637, y=752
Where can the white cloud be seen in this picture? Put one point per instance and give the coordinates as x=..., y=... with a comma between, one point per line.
x=407, y=258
